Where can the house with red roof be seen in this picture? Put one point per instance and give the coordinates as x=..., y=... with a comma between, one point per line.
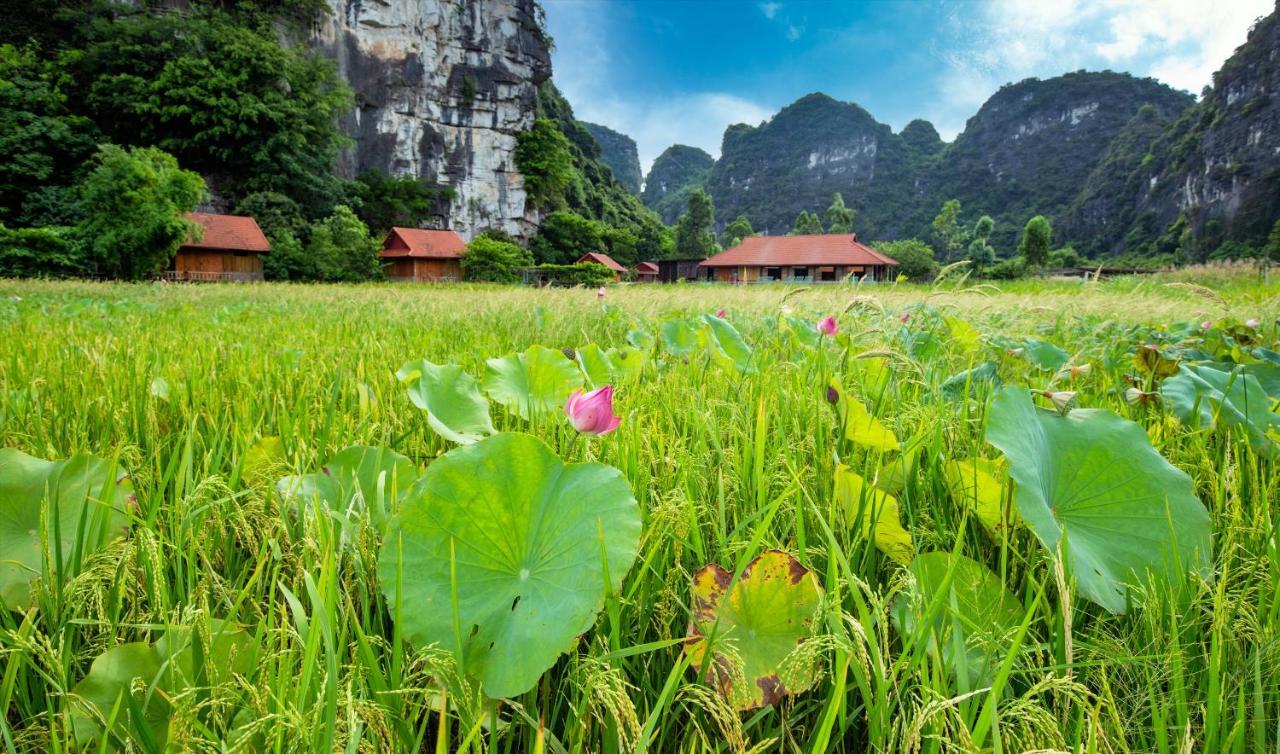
x=593, y=257
x=230, y=247
x=799, y=259
x=423, y=255
x=647, y=272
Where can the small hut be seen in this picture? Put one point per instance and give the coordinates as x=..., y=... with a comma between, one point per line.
x=230, y=248
x=593, y=257
x=647, y=272
x=417, y=254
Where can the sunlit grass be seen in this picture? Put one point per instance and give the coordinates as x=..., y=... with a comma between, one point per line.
x=180, y=381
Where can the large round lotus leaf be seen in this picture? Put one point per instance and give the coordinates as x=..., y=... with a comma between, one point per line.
x=169, y=667
x=601, y=367
x=976, y=613
x=1091, y=478
x=859, y=426
x=455, y=408
x=979, y=485
x=520, y=536
x=533, y=383
x=90, y=499
x=976, y=381
x=357, y=480
x=730, y=347
x=872, y=512
x=754, y=627
x=1201, y=396
x=1044, y=355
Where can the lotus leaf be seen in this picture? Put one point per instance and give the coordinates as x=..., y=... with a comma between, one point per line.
x=859, y=426
x=754, y=626
x=1089, y=481
x=357, y=480
x=496, y=554
x=261, y=458
x=1267, y=374
x=90, y=499
x=1152, y=361
x=979, y=484
x=640, y=338
x=1043, y=355
x=963, y=335
x=455, y=408
x=1202, y=396
x=533, y=383
x=872, y=375
x=169, y=667
x=973, y=381
x=679, y=338
x=874, y=513
x=729, y=344
x=974, y=618
x=601, y=367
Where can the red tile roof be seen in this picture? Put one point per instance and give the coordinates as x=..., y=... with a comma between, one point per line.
x=808, y=251
x=603, y=259
x=647, y=268
x=228, y=233
x=423, y=244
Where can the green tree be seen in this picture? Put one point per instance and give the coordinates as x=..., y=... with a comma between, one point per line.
x=493, y=261
x=694, y=237
x=288, y=259
x=342, y=250
x=544, y=158
x=30, y=252
x=133, y=204
x=1272, y=248
x=565, y=236
x=840, y=217
x=1037, y=237
x=41, y=142
x=735, y=231
x=807, y=224
x=914, y=258
x=386, y=202
x=948, y=233
x=275, y=213
x=227, y=100
x=981, y=253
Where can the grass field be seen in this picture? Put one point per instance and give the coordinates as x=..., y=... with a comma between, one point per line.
x=207, y=396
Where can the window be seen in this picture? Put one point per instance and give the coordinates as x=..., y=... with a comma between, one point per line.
x=800, y=273
x=773, y=273
x=828, y=274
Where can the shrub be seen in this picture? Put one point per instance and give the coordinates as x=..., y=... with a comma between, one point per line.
x=583, y=273
x=914, y=258
x=342, y=250
x=490, y=260
x=31, y=252
x=1008, y=269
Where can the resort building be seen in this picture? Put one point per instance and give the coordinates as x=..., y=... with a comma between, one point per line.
x=605, y=260
x=426, y=256
x=799, y=259
x=230, y=248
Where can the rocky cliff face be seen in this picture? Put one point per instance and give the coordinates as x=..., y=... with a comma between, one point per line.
x=619, y=152
x=676, y=172
x=442, y=89
x=1217, y=166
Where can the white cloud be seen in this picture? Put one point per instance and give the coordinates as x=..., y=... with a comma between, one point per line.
x=581, y=64
x=770, y=9
x=793, y=32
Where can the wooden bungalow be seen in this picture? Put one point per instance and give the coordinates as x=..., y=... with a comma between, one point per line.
x=593, y=257
x=230, y=248
x=422, y=255
x=799, y=259
x=647, y=272
x=673, y=270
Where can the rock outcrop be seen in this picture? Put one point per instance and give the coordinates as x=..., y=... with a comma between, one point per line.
x=676, y=171
x=442, y=88
x=619, y=152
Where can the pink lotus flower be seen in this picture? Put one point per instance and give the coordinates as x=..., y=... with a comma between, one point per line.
x=1253, y=323
x=827, y=325
x=592, y=413
x=1206, y=324
x=720, y=313
x=600, y=292
x=905, y=316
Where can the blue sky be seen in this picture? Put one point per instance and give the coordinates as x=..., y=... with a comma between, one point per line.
x=666, y=72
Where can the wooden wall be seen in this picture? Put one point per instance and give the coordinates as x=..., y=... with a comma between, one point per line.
x=213, y=261
x=425, y=270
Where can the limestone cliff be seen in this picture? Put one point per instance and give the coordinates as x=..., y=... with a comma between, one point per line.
x=442, y=89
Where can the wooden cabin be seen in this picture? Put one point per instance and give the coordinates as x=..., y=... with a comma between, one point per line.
x=424, y=256
x=647, y=272
x=604, y=260
x=230, y=248
x=827, y=258
x=675, y=270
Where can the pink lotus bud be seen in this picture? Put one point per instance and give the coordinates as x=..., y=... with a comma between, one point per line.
x=827, y=325
x=1151, y=346
x=592, y=413
x=720, y=313
x=1252, y=323
x=905, y=316
x=1205, y=325
x=600, y=292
